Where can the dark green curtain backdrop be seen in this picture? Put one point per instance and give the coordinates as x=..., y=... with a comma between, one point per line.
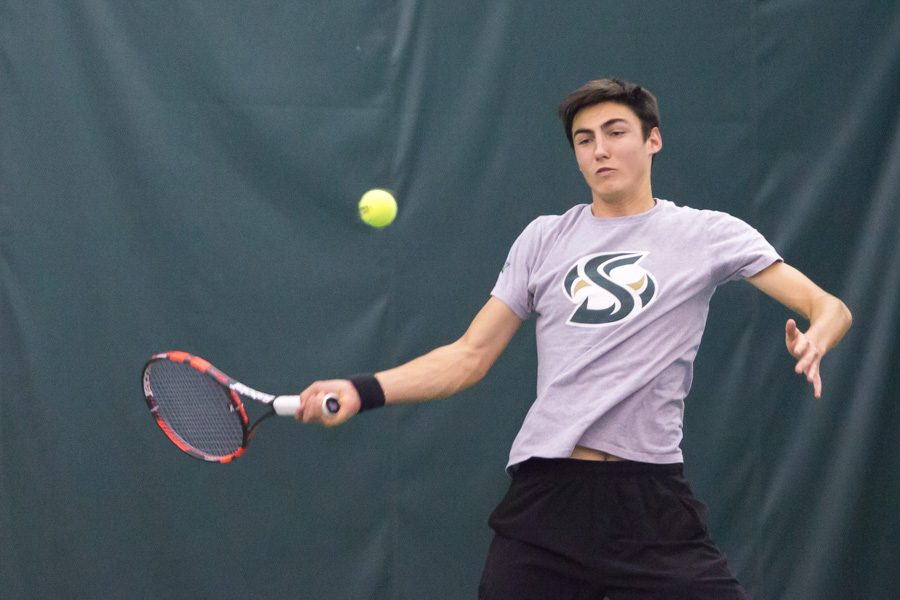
x=185, y=174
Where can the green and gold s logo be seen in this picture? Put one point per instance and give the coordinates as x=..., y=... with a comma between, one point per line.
x=608, y=288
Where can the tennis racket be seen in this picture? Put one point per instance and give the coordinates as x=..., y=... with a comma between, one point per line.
x=200, y=408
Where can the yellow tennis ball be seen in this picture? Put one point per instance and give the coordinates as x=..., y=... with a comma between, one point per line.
x=377, y=208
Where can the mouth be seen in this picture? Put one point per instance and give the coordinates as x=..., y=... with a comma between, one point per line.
x=603, y=171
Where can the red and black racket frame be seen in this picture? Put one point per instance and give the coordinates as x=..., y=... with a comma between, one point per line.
x=227, y=384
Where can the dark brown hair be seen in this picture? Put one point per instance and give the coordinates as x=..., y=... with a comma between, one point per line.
x=638, y=99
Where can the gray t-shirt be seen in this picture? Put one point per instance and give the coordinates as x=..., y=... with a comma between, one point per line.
x=621, y=304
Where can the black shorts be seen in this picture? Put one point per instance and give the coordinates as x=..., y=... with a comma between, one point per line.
x=571, y=529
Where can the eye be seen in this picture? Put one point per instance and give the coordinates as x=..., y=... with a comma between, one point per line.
x=582, y=141
x=617, y=133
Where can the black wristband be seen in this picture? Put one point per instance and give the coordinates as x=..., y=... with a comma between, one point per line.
x=371, y=395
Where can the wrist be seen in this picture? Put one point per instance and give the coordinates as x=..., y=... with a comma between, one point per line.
x=371, y=394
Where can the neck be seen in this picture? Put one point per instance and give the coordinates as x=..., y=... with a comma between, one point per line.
x=610, y=207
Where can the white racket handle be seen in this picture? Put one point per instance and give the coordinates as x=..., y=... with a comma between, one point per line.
x=287, y=406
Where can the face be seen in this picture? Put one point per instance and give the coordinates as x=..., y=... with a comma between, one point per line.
x=611, y=151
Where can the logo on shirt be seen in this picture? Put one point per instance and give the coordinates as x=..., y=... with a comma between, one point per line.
x=609, y=288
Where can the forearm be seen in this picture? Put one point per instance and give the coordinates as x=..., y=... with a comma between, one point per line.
x=829, y=318
x=440, y=373
x=457, y=366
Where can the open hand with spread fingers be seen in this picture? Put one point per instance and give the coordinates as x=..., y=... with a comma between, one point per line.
x=808, y=354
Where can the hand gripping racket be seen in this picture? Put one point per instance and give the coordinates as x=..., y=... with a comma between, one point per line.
x=200, y=409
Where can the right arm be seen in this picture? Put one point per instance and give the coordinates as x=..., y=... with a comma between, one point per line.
x=442, y=372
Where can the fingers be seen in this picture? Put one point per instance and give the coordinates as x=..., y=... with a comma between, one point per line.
x=791, y=331
x=794, y=339
x=809, y=366
x=807, y=353
x=312, y=401
x=810, y=369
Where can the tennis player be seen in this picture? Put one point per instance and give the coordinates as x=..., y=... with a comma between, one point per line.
x=620, y=289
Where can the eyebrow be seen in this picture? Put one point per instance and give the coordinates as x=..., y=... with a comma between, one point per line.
x=604, y=126
x=613, y=122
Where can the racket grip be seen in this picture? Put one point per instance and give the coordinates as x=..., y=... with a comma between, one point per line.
x=330, y=405
x=287, y=406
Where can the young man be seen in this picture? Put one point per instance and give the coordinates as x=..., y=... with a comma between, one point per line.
x=621, y=288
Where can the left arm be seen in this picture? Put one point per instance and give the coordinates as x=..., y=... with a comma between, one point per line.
x=829, y=318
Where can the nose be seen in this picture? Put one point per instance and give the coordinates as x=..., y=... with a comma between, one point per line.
x=600, y=149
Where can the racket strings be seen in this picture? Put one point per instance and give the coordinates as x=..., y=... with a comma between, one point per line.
x=196, y=408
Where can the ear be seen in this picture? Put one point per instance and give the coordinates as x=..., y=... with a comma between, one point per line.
x=654, y=141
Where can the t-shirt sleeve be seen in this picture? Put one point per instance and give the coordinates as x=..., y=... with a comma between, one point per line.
x=513, y=285
x=737, y=250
